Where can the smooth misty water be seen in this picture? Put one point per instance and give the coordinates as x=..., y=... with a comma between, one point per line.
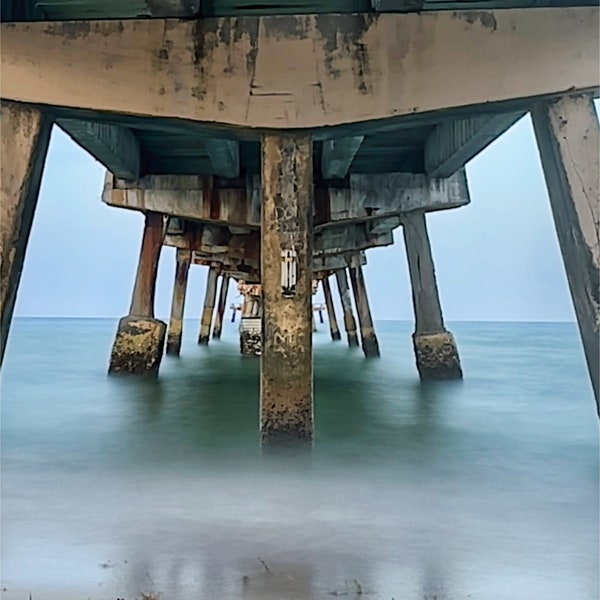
x=486, y=489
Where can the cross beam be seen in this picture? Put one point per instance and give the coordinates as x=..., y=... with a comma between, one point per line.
x=293, y=72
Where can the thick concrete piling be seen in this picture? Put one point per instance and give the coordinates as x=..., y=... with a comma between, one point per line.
x=221, y=304
x=140, y=338
x=349, y=321
x=568, y=140
x=286, y=402
x=333, y=324
x=209, y=305
x=178, y=303
x=370, y=345
x=435, y=349
x=24, y=144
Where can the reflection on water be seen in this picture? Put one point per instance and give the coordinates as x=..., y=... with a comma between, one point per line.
x=482, y=489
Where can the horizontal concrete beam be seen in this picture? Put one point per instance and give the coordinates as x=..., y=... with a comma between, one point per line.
x=370, y=197
x=116, y=148
x=387, y=194
x=338, y=155
x=292, y=72
x=453, y=144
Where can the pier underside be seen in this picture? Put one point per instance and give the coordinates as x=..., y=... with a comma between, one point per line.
x=277, y=148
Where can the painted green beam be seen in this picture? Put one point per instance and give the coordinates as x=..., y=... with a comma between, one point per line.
x=402, y=6
x=115, y=147
x=451, y=145
x=224, y=156
x=338, y=155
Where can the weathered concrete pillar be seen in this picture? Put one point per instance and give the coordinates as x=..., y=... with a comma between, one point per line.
x=349, y=321
x=568, y=139
x=24, y=144
x=435, y=348
x=370, y=345
x=209, y=305
x=218, y=324
x=184, y=258
x=140, y=338
x=333, y=325
x=286, y=407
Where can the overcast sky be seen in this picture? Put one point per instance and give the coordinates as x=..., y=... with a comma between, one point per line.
x=496, y=259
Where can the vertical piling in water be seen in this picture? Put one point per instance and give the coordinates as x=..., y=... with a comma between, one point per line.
x=218, y=324
x=333, y=324
x=435, y=349
x=286, y=402
x=24, y=145
x=349, y=321
x=182, y=268
x=140, y=338
x=209, y=305
x=568, y=139
x=370, y=345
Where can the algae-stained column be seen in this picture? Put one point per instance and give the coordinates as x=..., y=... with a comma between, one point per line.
x=183, y=260
x=286, y=407
x=24, y=144
x=140, y=338
x=568, y=139
x=209, y=305
x=218, y=325
x=370, y=345
x=435, y=349
x=349, y=321
x=333, y=324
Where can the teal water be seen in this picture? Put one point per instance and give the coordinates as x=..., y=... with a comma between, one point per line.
x=485, y=489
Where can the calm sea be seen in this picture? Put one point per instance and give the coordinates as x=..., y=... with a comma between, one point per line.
x=482, y=490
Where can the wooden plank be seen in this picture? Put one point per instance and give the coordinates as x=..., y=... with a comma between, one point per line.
x=273, y=73
x=115, y=147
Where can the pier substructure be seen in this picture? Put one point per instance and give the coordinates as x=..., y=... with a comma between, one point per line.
x=183, y=259
x=24, y=144
x=568, y=139
x=140, y=338
x=370, y=345
x=218, y=324
x=286, y=403
x=333, y=324
x=435, y=349
x=209, y=305
x=349, y=321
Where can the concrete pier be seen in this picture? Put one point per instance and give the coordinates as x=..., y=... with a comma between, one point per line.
x=286, y=403
x=333, y=324
x=370, y=345
x=221, y=305
x=24, y=144
x=568, y=139
x=435, y=349
x=178, y=303
x=140, y=338
x=209, y=305
x=349, y=321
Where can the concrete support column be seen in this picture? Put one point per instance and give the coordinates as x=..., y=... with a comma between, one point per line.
x=349, y=321
x=218, y=324
x=568, y=139
x=435, y=348
x=333, y=325
x=140, y=338
x=184, y=258
x=370, y=345
x=23, y=144
x=209, y=305
x=286, y=407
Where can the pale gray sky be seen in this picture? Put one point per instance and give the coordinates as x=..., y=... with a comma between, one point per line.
x=496, y=259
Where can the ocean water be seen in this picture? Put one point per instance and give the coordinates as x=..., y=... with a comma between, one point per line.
x=482, y=489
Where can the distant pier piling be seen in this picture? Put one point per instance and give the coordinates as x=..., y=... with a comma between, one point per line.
x=218, y=324
x=370, y=345
x=183, y=260
x=209, y=305
x=349, y=320
x=333, y=324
